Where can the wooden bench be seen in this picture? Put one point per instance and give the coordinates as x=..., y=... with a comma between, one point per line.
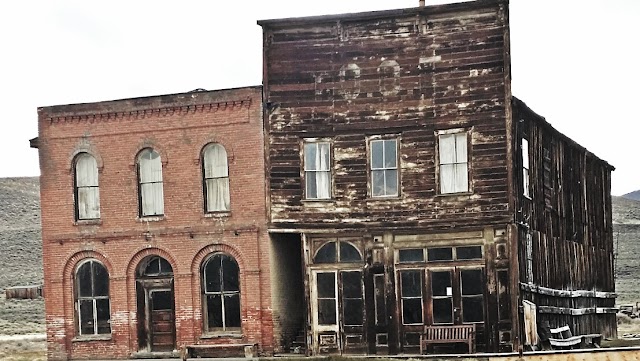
x=448, y=334
x=562, y=337
x=249, y=350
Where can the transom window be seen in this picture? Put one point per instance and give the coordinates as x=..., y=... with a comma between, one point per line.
x=384, y=167
x=317, y=173
x=216, y=178
x=337, y=252
x=221, y=293
x=92, y=298
x=87, y=191
x=454, y=173
x=150, y=191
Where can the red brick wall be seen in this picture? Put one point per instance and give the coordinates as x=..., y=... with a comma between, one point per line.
x=178, y=127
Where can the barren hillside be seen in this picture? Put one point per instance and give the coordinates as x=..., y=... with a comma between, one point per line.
x=626, y=219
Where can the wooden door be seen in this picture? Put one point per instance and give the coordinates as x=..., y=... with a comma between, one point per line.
x=162, y=320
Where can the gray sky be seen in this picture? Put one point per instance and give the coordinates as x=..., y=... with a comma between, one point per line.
x=574, y=62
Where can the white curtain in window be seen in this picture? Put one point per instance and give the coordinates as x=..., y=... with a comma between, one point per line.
x=87, y=190
x=453, y=163
x=151, y=189
x=322, y=165
x=216, y=173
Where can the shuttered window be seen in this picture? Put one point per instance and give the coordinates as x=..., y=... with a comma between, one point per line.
x=454, y=172
x=87, y=191
x=216, y=178
x=151, y=194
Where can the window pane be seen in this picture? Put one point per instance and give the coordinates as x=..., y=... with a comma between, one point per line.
x=310, y=154
x=461, y=147
x=214, y=311
x=327, y=254
x=376, y=154
x=391, y=176
x=440, y=254
x=411, y=283
x=447, y=148
x=212, y=274
x=217, y=194
x=165, y=266
x=104, y=317
x=324, y=155
x=411, y=255
x=83, y=277
x=162, y=300
x=326, y=284
x=150, y=166
x=390, y=157
x=153, y=267
x=86, y=317
x=471, y=282
x=327, y=312
x=461, y=177
x=353, y=309
x=230, y=274
x=472, y=309
x=447, y=178
x=471, y=252
x=100, y=280
x=323, y=185
x=86, y=171
x=152, y=199
x=232, y=310
x=88, y=203
x=348, y=253
x=377, y=183
x=351, y=284
x=441, y=283
x=442, y=310
x=411, y=311
x=215, y=161
x=311, y=189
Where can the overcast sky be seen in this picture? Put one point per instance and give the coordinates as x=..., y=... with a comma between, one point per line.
x=574, y=62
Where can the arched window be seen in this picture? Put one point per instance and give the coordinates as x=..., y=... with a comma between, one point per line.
x=342, y=252
x=221, y=293
x=92, y=298
x=216, y=178
x=150, y=191
x=87, y=192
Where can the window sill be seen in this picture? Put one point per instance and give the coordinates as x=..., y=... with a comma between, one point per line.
x=89, y=338
x=384, y=198
x=218, y=214
x=228, y=334
x=442, y=195
x=325, y=200
x=151, y=218
x=88, y=222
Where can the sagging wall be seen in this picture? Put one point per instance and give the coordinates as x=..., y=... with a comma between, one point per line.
x=178, y=127
x=287, y=292
x=565, y=228
x=407, y=74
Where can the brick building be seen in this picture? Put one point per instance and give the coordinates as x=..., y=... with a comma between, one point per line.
x=153, y=224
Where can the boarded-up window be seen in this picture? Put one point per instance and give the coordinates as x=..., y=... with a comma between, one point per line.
x=216, y=178
x=317, y=172
x=525, y=168
x=87, y=191
x=92, y=299
x=221, y=293
x=151, y=194
x=454, y=175
x=384, y=168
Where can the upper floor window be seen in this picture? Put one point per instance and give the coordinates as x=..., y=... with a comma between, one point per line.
x=384, y=167
x=317, y=171
x=454, y=172
x=92, y=298
x=216, y=178
x=150, y=191
x=221, y=293
x=87, y=192
x=525, y=168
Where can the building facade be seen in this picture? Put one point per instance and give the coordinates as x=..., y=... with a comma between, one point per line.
x=416, y=187
x=153, y=225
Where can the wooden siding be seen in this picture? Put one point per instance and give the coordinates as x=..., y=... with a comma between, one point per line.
x=409, y=75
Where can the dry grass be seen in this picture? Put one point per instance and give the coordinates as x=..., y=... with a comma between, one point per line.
x=23, y=351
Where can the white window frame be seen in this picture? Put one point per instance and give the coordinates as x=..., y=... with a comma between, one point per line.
x=150, y=184
x=384, y=169
x=86, y=187
x=456, y=163
x=215, y=173
x=318, y=171
x=526, y=180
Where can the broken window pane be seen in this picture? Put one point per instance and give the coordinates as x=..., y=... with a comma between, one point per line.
x=348, y=253
x=230, y=274
x=326, y=283
x=86, y=317
x=327, y=253
x=442, y=310
x=100, y=280
x=411, y=255
x=440, y=254
x=214, y=311
x=212, y=275
x=103, y=315
x=471, y=252
x=84, y=279
x=232, y=310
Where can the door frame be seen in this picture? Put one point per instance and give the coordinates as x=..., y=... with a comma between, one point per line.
x=148, y=286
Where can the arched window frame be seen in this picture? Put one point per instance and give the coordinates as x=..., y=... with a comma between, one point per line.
x=86, y=187
x=215, y=178
x=230, y=299
x=92, y=304
x=150, y=183
x=339, y=247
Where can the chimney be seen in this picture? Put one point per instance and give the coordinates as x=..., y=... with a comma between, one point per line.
x=421, y=3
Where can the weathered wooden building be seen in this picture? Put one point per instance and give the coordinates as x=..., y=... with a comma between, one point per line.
x=418, y=191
